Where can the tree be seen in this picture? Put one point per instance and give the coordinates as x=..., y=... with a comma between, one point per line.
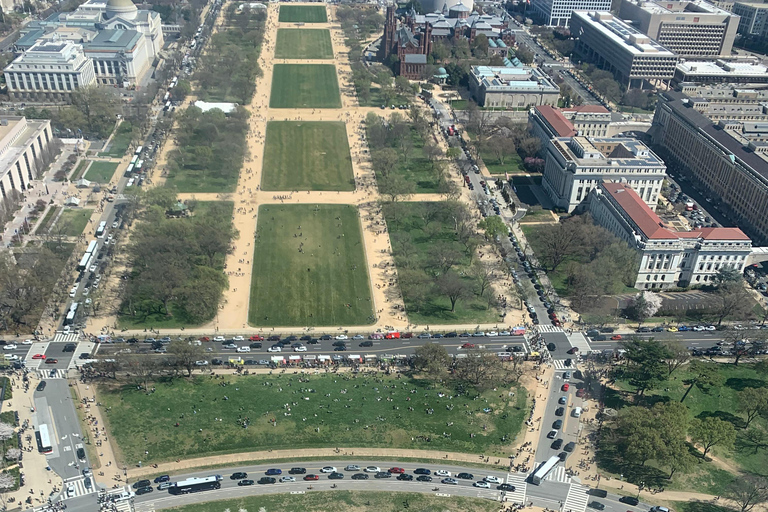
x=731, y=300
x=385, y=160
x=7, y=481
x=432, y=152
x=493, y=226
x=186, y=354
x=453, y=287
x=501, y=147
x=485, y=274
x=482, y=369
x=6, y=432
x=645, y=363
x=433, y=359
x=677, y=355
x=748, y=491
x=13, y=454
x=753, y=402
x=556, y=243
x=141, y=368
x=677, y=458
x=643, y=306
x=712, y=431
x=396, y=187
x=98, y=106
x=703, y=376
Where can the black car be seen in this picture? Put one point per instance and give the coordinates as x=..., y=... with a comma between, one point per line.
x=297, y=471
x=217, y=361
x=132, y=340
x=142, y=483
x=562, y=456
x=568, y=362
x=557, y=425
x=274, y=337
x=424, y=478
x=239, y=475
x=383, y=474
x=312, y=341
x=600, y=493
x=325, y=337
x=360, y=476
x=143, y=490
x=451, y=335
x=557, y=444
x=559, y=411
x=340, y=343
x=81, y=455
x=336, y=476
x=367, y=343
x=597, y=505
x=162, y=478
x=629, y=500
x=69, y=347
x=422, y=471
x=599, y=337
x=551, y=347
x=340, y=349
x=305, y=338
x=245, y=482
x=255, y=345
x=267, y=480
x=290, y=338
x=466, y=476
x=506, y=487
x=41, y=386
x=570, y=446
x=405, y=477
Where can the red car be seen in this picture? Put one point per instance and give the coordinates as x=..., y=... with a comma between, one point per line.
x=394, y=335
x=407, y=335
x=396, y=470
x=205, y=338
x=565, y=387
x=573, y=350
x=580, y=392
x=311, y=477
x=468, y=345
x=616, y=337
x=38, y=356
x=51, y=361
x=256, y=337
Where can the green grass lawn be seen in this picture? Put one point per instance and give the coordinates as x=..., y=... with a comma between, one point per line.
x=721, y=402
x=73, y=221
x=344, y=501
x=414, y=258
x=418, y=168
x=45, y=224
x=101, y=172
x=302, y=14
x=305, y=155
x=512, y=164
x=304, y=86
x=357, y=412
x=375, y=99
x=78, y=172
x=310, y=268
x=120, y=141
x=303, y=44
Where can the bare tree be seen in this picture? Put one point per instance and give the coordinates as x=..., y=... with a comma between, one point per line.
x=186, y=354
x=748, y=491
x=485, y=273
x=453, y=287
x=13, y=454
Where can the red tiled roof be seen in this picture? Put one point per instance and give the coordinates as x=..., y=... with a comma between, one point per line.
x=642, y=215
x=562, y=126
x=653, y=227
x=722, y=234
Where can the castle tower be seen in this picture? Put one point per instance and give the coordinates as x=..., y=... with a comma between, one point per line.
x=388, y=40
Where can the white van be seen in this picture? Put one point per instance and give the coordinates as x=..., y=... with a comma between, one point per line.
x=10, y=357
x=576, y=412
x=243, y=349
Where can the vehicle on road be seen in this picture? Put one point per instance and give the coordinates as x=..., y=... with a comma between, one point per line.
x=274, y=471
x=449, y=481
x=297, y=471
x=311, y=477
x=245, y=482
x=267, y=480
x=482, y=484
x=239, y=475
x=360, y=476
x=336, y=476
x=442, y=472
x=287, y=479
x=328, y=469
x=372, y=469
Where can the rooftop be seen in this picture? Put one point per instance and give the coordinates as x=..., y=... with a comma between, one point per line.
x=722, y=67
x=653, y=227
x=615, y=29
x=697, y=6
x=561, y=126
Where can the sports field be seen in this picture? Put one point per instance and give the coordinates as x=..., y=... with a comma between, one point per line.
x=309, y=267
x=184, y=418
x=303, y=44
x=304, y=155
x=304, y=86
x=302, y=14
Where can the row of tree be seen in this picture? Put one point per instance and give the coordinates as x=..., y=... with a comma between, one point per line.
x=91, y=113
x=177, y=264
x=481, y=368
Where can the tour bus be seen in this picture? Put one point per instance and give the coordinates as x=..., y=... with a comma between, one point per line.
x=197, y=484
x=43, y=439
x=70, y=318
x=101, y=229
x=544, y=470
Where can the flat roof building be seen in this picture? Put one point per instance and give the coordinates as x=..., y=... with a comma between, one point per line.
x=630, y=55
x=733, y=170
x=574, y=166
x=24, y=151
x=721, y=71
x=692, y=28
x=668, y=258
x=512, y=87
x=557, y=13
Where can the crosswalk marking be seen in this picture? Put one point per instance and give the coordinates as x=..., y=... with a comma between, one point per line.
x=549, y=328
x=60, y=337
x=560, y=365
x=521, y=487
x=78, y=484
x=577, y=499
x=44, y=374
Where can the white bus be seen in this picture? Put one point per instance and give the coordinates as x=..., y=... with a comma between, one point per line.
x=100, y=230
x=92, y=246
x=138, y=150
x=135, y=157
x=43, y=439
x=198, y=484
x=84, y=261
x=544, y=470
x=70, y=319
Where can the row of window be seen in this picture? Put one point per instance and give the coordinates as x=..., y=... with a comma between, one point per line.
x=39, y=81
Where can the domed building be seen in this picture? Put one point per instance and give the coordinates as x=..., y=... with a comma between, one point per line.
x=444, y=6
x=121, y=41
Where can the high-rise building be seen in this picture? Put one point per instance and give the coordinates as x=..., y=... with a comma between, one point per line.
x=23, y=147
x=611, y=44
x=557, y=13
x=754, y=17
x=692, y=28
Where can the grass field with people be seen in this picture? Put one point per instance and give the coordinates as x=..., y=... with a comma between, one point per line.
x=303, y=44
x=302, y=14
x=306, y=155
x=183, y=418
x=310, y=267
x=344, y=501
x=101, y=172
x=304, y=86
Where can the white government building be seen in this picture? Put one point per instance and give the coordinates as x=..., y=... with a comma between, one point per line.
x=22, y=145
x=111, y=43
x=668, y=258
x=576, y=165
